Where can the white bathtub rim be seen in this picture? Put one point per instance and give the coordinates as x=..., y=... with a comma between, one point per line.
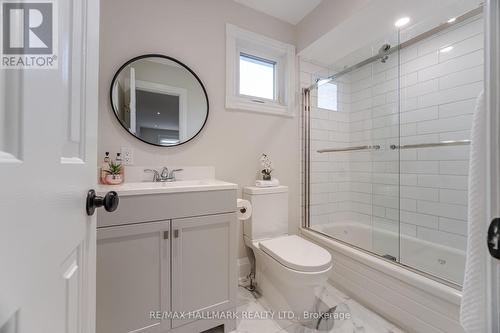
x=416, y=280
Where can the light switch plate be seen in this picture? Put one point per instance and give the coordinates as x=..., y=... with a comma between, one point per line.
x=127, y=155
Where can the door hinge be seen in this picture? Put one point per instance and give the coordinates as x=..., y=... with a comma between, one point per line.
x=165, y=235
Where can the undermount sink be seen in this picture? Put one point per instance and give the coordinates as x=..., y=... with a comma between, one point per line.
x=138, y=188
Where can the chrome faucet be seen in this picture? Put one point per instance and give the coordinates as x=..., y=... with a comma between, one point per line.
x=171, y=175
x=156, y=175
x=164, y=175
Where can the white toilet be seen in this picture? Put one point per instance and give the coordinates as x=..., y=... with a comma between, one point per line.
x=288, y=267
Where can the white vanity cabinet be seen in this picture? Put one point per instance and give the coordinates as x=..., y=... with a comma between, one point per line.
x=203, y=264
x=168, y=252
x=133, y=272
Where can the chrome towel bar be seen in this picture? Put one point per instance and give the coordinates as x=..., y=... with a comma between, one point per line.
x=335, y=150
x=394, y=147
x=434, y=144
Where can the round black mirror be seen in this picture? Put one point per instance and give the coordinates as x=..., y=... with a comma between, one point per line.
x=159, y=100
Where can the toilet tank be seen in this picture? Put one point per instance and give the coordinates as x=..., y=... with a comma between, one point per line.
x=269, y=212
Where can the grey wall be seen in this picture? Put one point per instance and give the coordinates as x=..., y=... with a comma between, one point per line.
x=193, y=31
x=149, y=103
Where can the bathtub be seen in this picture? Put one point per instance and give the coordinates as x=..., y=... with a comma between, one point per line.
x=442, y=261
x=408, y=298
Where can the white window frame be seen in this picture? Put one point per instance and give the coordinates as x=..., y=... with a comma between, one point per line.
x=243, y=41
x=277, y=84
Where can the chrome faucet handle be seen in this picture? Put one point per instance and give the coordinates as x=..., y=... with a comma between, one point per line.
x=164, y=174
x=171, y=175
x=156, y=175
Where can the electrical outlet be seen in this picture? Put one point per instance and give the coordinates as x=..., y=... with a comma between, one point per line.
x=127, y=154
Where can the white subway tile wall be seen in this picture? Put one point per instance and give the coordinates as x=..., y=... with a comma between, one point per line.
x=420, y=193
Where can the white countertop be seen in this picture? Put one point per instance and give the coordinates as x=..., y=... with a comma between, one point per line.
x=142, y=188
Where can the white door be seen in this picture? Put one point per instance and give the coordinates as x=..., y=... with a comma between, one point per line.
x=492, y=84
x=48, y=131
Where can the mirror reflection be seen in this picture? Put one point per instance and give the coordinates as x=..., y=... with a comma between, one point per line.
x=159, y=100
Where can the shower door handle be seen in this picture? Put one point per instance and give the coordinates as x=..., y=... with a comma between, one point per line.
x=494, y=238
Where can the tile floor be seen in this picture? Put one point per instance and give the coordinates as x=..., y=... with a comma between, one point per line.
x=362, y=320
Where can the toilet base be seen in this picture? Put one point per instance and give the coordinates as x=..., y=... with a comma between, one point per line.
x=284, y=297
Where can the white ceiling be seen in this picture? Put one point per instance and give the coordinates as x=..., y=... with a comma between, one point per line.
x=361, y=35
x=291, y=11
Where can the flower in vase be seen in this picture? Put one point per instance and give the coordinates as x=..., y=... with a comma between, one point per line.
x=267, y=167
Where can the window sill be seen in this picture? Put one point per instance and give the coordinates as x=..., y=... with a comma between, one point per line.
x=241, y=104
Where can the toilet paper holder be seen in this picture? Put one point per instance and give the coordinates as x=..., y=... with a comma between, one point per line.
x=244, y=209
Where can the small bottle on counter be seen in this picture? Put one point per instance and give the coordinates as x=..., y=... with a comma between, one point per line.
x=120, y=162
x=104, y=168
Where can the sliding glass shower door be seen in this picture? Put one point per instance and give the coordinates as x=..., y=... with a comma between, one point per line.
x=388, y=144
x=441, y=77
x=354, y=191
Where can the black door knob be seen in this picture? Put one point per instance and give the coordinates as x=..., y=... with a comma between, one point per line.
x=109, y=202
x=494, y=238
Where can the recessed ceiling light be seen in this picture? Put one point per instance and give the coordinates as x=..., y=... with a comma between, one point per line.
x=446, y=49
x=402, y=22
x=453, y=19
x=158, y=113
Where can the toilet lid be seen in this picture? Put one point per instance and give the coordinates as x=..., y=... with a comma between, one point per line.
x=297, y=253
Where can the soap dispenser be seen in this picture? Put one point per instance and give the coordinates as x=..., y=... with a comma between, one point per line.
x=104, y=168
x=119, y=161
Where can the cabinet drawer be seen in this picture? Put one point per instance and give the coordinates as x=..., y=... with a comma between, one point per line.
x=156, y=207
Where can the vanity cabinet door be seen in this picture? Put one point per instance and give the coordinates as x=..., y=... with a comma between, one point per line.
x=204, y=276
x=133, y=277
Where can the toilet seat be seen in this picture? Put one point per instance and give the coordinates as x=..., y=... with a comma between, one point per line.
x=297, y=253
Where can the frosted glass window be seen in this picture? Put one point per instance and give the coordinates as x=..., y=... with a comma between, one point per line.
x=327, y=95
x=257, y=77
